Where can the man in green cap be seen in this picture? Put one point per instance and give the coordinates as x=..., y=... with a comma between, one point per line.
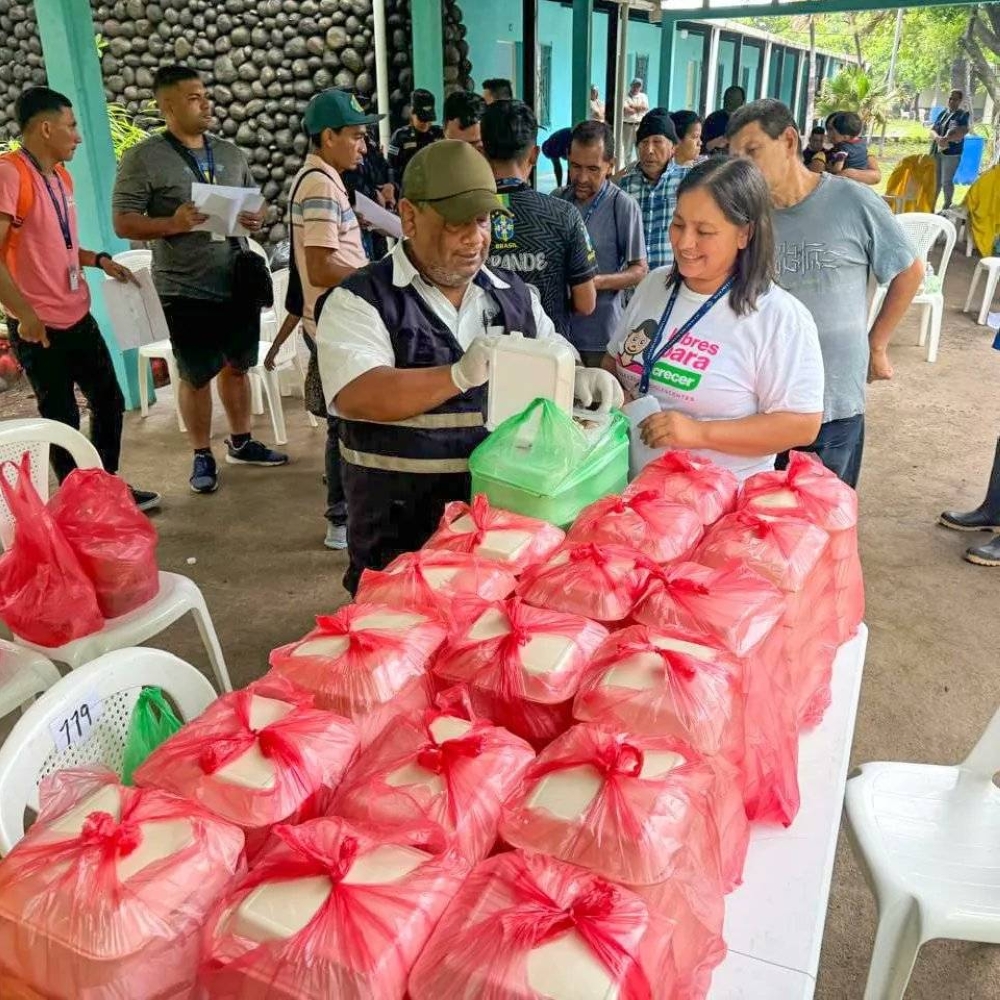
x=326, y=243
x=404, y=349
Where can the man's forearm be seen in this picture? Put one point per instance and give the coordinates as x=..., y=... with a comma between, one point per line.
x=323, y=271
x=88, y=258
x=10, y=294
x=621, y=280
x=387, y=394
x=135, y=226
x=865, y=175
x=898, y=297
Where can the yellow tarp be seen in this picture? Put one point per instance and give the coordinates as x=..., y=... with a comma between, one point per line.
x=982, y=202
x=913, y=182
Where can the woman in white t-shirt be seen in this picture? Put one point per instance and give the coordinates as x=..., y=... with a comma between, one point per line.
x=732, y=359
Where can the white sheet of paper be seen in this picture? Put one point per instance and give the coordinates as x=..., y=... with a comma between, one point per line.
x=375, y=215
x=135, y=311
x=639, y=456
x=223, y=204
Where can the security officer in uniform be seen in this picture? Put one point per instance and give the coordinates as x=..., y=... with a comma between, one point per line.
x=404, y=347
x=408, y=140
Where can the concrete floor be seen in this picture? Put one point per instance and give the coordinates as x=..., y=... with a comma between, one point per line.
x=932, y=678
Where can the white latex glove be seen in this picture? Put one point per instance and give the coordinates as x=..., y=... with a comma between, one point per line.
x=474, y=368
x=595, y=385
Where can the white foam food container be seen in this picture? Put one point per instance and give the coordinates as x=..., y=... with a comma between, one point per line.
x=546, y=653
x=335, y=645
x=522, y=370
x=444, y=728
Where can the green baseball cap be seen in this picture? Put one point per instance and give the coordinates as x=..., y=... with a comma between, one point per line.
x=335, y=108
x=454, y=179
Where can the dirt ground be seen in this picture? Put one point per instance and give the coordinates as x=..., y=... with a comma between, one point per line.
x=931, y=680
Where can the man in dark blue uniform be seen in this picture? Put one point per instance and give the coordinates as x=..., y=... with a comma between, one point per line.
x=408, y=140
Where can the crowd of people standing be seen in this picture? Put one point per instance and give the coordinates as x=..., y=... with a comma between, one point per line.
x=719, y=273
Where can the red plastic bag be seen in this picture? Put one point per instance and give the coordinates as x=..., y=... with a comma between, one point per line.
x=432, y=578
x=600, y=582
x=808, y=490
x=512, y=540
x=367, y=662
x=684, y=478
x=256, y=757
x=633, y=808
x=105, y=896
x=330, y=910
x=114, y=541
x=732, y=603
x=660, y=529
x=45, y=596
x=522, y=665
x=525, y=926
x=446, y=768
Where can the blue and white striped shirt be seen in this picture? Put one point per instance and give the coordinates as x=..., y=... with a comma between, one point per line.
x=657, y=203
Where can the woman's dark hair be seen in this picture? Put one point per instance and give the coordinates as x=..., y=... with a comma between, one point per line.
x=684, y=121
x=592, y=133
x=740, y=191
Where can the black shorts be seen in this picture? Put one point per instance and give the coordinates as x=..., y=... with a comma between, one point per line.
x=206, y=336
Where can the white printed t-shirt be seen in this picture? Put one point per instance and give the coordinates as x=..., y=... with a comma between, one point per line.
x=727, y=366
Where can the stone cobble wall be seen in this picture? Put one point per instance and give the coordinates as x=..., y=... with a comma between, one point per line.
x=264, y=59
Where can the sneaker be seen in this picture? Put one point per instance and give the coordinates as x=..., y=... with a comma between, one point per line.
x=145, y=499
x=204, y=475
x=253, y=453
x=336, y=536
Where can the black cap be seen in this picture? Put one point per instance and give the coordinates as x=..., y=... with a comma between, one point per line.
x=509, y=128
x=422, y=105
x=657, y=122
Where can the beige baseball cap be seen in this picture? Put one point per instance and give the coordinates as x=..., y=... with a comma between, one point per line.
x=454, y=179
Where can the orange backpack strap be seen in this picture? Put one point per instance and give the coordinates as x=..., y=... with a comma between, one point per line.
x=25, y=200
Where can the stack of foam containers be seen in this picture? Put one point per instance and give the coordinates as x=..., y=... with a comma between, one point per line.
x=256, y=757
x=106, y=895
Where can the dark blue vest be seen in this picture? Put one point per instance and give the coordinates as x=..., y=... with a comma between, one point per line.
x=441, y=440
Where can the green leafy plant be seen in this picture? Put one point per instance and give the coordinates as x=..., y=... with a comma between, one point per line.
x=854, y=89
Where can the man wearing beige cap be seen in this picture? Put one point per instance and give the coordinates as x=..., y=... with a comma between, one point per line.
x=404, y=349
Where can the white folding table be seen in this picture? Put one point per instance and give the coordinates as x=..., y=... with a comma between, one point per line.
x=774, y=920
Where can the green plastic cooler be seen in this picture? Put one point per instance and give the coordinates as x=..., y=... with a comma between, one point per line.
x=544, y=464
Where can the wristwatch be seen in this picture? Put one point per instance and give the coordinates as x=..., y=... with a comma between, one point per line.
x=99, y=256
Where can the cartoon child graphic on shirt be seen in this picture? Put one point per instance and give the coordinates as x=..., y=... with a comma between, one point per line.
x=636, y=342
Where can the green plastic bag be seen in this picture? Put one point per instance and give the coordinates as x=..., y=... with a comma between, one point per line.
x=543, y=463
x=152, y=723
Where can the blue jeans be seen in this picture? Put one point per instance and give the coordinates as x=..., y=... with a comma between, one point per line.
x=839, y=446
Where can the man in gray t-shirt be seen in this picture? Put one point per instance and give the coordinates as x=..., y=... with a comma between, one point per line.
x=211, y=333
x=831, y=235
x=614, y=223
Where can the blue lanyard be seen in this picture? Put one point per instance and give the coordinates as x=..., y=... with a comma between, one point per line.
x=209, y=170
x=653, y=352
x=593, y=205
x=63, y=215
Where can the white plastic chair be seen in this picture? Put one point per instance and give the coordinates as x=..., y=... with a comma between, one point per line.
x=929, y=837
x=115, y=681
x=177, y=594
x=923, y=230
x=990, y=266
x=959, y=217
x=23, y=674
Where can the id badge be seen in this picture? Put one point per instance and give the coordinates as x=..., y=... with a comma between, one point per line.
x=74, y=278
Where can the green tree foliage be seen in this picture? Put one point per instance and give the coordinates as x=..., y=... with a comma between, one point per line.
x=854, y=89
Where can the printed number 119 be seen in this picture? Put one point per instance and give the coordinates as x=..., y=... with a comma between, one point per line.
x=80, y=721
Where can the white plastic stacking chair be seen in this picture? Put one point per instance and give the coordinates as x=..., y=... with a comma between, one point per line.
x=929, y=836
x=177, y=594
x=110, y=687
x=959, y=218
x=990, y=266
x=23, y=674
x=923, y=230
x=134, y=260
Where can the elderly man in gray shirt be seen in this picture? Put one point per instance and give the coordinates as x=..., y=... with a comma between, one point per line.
x=210, y=332
x=831, y=234
x=614, y=224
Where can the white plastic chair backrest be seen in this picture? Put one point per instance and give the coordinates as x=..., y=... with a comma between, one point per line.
x=280, y=279
x=134, y=259
x=112, y=681
x=257, y=249
x=984, y=758
x=923, y=230
x=36, y=435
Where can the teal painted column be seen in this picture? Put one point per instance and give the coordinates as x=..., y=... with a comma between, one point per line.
x=668, y=36
x=583, y=32
x=428, y=48
x=73, y=67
